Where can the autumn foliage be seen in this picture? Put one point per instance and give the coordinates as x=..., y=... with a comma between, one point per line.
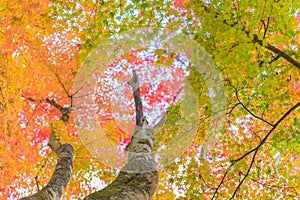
x=255, y=44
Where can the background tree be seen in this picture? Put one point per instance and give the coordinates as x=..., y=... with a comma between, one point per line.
x=254, y=43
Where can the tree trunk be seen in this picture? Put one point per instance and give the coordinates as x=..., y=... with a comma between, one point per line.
x=138, y=179
x=54, y=190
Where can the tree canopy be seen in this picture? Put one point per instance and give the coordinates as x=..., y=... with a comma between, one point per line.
x=254, y=45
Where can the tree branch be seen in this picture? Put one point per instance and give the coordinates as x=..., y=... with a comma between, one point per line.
x=65, y=112
x=162, y=121
x=274, y=59
x=61, y=83
x=134, y=83
x=260, y=145
x=255, y=150
x=241, y=103
x=266, y=26
x=256, y=40
x=277, y=51
x=251, y=113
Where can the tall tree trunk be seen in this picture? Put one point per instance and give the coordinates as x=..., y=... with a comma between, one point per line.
x=138, y=179
x=60, y=178
x=54, y=190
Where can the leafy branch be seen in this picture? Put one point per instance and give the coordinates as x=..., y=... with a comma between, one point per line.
x=255, y=38
x=251, y=113
x=260, y=145
x=243, y=105
x=255, y=150
x=277, y=51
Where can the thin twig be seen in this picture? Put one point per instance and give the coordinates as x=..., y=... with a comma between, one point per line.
x=274, y=59
x=37, y=183
x=266, y=26
x=251, y=113
x=61, y=83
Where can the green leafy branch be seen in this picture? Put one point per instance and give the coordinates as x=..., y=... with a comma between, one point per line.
x=254, y=37
x=254, y=151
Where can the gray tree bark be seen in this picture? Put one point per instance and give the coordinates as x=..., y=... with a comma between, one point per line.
x=138, y=179
x=62, y=174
